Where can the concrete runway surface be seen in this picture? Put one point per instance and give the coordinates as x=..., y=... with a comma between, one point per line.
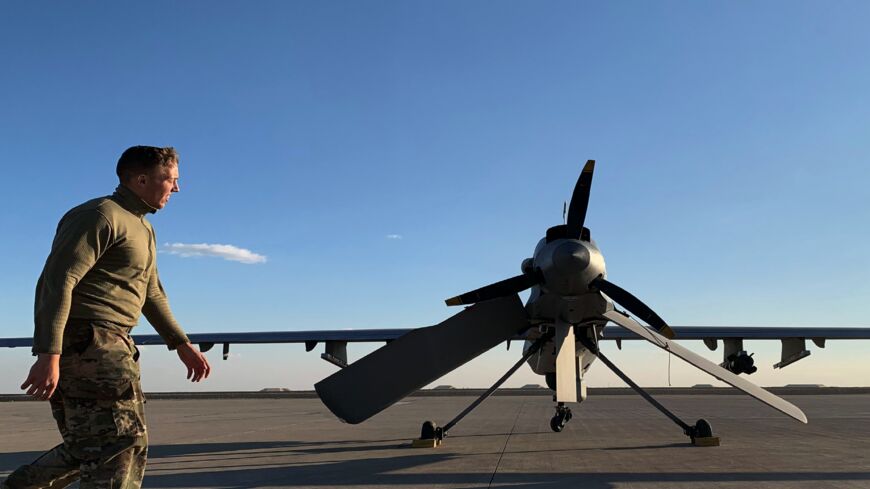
x=614, y=441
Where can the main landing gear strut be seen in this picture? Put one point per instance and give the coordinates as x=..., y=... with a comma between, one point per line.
x=432, y=434
x=701, y=433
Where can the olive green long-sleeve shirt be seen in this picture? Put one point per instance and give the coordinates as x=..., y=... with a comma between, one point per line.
x=102, y=266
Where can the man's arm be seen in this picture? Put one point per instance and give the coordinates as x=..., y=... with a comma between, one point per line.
x=82, y=238
x=157, y=312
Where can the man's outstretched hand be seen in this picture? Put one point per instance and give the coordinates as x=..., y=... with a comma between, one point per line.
x=43, y=377
x=196, y=363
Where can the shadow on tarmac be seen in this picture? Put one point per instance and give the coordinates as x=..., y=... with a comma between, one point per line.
x=202, y=468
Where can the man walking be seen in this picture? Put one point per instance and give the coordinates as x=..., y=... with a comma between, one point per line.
x=100, y=276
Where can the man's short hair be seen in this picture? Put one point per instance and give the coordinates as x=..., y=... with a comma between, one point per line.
x=137, y=160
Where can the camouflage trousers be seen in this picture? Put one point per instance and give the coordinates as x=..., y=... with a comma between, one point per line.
x=99, y=410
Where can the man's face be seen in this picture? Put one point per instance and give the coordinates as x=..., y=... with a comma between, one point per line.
x=156, y=187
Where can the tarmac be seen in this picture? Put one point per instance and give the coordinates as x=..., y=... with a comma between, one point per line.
x=613, y=441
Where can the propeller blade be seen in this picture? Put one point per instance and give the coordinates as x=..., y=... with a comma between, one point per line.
x=707, y=366
x=634, y=306
x=580, y=201
x=566, y=364
x=506, y=287
x=379, y=379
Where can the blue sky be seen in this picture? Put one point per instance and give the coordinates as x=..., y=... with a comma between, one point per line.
x=385, y=155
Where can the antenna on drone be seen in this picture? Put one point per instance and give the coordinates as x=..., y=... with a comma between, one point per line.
x=564, y=212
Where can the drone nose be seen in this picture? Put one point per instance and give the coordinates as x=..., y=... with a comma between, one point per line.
x=571, y=255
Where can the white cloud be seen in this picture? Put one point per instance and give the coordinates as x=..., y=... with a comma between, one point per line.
x=394, y=236
x=225, y=251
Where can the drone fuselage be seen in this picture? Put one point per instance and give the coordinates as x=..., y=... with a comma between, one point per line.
x=567, y=267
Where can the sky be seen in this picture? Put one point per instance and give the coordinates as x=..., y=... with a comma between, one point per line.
x=349, y=165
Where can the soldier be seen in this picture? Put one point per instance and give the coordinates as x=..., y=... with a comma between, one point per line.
x=100, y=276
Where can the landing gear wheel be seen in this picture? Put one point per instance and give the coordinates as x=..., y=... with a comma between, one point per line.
x=702, y=429
x=563, y=415
x=431, y=431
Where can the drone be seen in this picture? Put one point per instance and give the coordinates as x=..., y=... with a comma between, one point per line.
x=562, y=322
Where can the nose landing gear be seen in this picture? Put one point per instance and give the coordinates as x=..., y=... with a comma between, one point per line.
x=563, y=415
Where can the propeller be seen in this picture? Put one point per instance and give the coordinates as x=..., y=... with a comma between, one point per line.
x=379, y=379
x=573, y=230
x=634, y=306
x=513, y=285
x=711, y=368
x=580, y=201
